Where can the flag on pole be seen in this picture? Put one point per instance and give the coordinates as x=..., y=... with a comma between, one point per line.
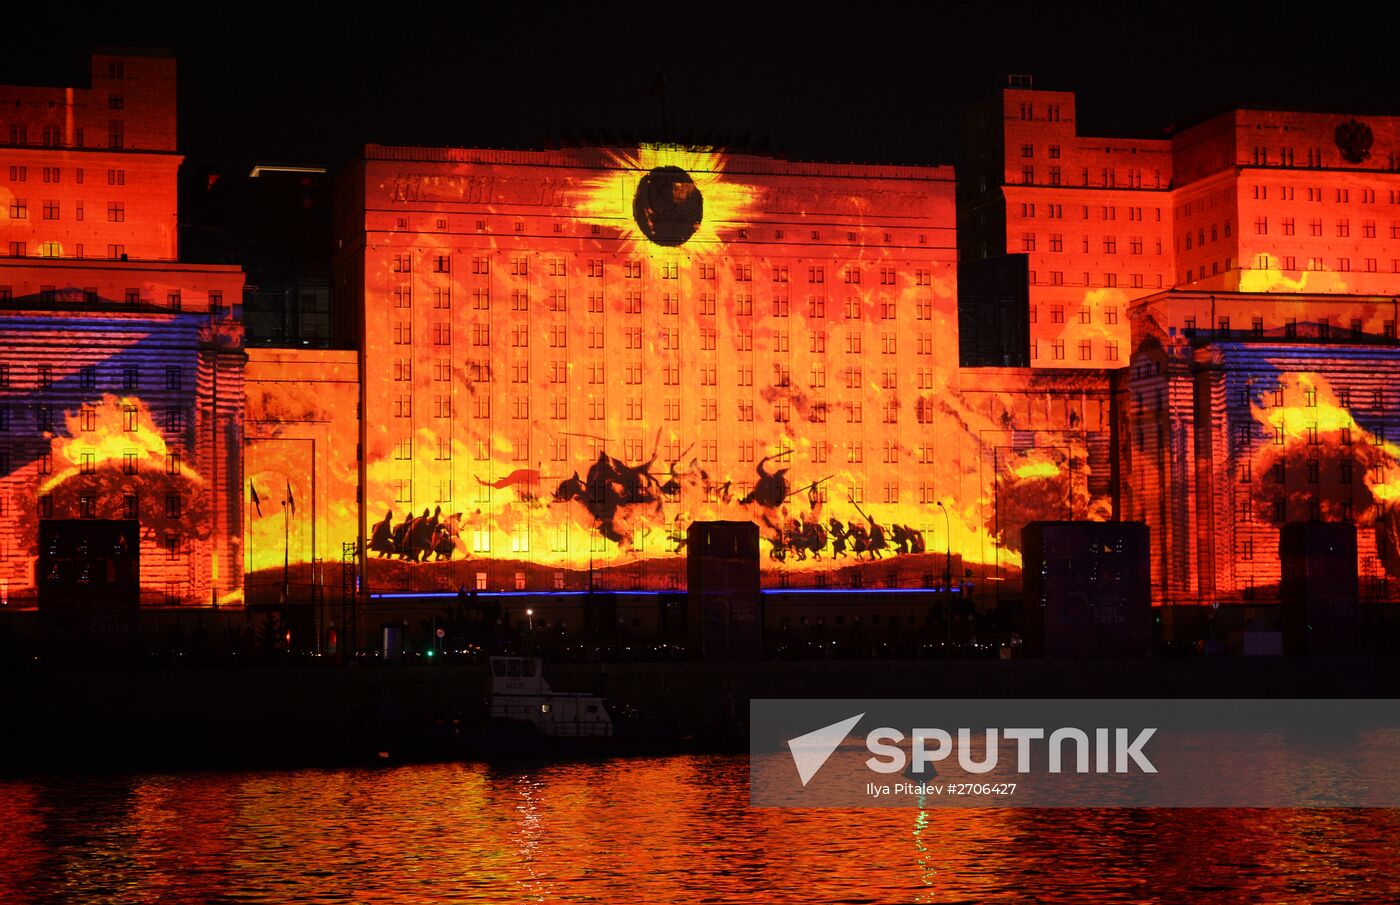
x=291, y=502
x=257, y=503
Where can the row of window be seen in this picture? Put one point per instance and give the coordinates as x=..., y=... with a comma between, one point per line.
x=1260, y=156
x=1316, y=195
x=1278, y=472
x=1108, y=280
x=1319, y=329
x=54, y=175
x=1084, y=314
x=558, y=373
x=19, y=210
x=741, y=271
x=443, y=492
x=131, y=462
x=633, y=449
x=1244, y=435
x=1086, y=350
x=1108, y=177
x=743, y=233
x=1108, y=212
x=557, y=336
x=708, y=408
x=1275, y=396
x=172, y=421
x=1278, y=513
x=174, y=298
x=740, y=305
x=1289, y=227
x=1135, y=244
x=88, y=377
x=56, y=250
x=1317, y=263
x=1216, y=267
x=52, y=135
x=1199, y=237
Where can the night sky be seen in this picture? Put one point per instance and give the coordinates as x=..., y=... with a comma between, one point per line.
x=874, y=83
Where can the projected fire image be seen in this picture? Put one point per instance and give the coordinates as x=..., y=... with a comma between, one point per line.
x=561, y=384
x=554, y=363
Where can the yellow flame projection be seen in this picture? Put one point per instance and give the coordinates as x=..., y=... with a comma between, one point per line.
x=607, y=199
x=883, y=455
x=1271, y=278
x=1318, y=421
x=1037, y=470
x=109, y=431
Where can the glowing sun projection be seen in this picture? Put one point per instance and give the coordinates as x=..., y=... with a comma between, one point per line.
x=668, y=196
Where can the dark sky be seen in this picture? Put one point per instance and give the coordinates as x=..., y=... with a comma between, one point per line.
x=869, y=82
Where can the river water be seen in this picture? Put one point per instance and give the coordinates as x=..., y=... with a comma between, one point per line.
x=676, y=829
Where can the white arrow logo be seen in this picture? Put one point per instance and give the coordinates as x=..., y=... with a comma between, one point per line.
x=810, y=751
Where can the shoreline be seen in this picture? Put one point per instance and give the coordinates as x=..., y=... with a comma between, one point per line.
x=87, y=720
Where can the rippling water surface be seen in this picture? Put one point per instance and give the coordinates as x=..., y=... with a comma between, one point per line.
x=665, y=830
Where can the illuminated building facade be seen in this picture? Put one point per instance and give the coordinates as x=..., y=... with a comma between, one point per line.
x=121, y=369
x=569, y=356
x=1250, y=201
x=1092, y=217
x=1272, y=416
x=566, y=357
x=1289, y=202
x=300, y=447
x=1242, y=273
x=91, y=172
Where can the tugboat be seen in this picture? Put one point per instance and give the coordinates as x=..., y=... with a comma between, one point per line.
x=521, y=695
x=525, y=717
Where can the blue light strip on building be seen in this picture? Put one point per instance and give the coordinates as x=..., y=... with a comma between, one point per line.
x=438, y=595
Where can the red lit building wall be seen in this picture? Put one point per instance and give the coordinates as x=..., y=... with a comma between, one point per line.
x=90, y=172
x=300, y=444
x=1093, y=216
x=1249, y=201
x=1269, y=201
x=122, y=381
x=567, y=395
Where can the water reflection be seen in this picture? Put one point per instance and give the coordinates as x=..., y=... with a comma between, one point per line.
x=663, y=830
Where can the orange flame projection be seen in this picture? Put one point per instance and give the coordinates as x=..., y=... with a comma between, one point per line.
x=589, y=394
x=608, y=199
x=1037, y=470
x=110, y=461
x=117, y=430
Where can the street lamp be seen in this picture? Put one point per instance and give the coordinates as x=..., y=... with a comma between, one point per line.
x=947, y=568
x=529, y=631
